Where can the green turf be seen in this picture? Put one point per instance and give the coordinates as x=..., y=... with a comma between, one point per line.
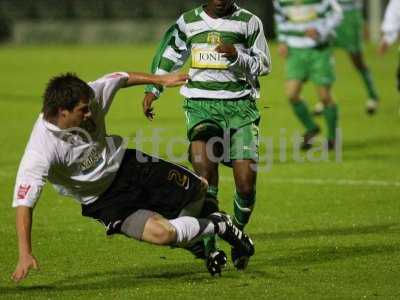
x=335, y=236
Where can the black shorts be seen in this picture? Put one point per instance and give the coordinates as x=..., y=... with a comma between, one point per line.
x=156, y=185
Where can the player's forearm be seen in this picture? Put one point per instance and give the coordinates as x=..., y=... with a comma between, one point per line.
x=257, y=64
x=136, y=78
x=24, y=226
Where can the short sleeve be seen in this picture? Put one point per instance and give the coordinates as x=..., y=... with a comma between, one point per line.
x=32, y=174
x=106, y=87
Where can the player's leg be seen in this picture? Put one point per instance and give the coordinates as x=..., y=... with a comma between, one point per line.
x=360, y=65
x=300, y=109
x=323, y=76
x=244, y=155
x=353, y=44
x=245, y=194
x=208, y=169
x=151, y=227
x=148, y=226
x=297, y=72
x=202, y=125
x=330, y=113
x=244, y=200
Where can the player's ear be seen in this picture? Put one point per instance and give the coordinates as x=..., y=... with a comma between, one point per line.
x=62, y=112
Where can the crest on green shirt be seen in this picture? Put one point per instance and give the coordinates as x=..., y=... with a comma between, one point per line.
x=214, y=38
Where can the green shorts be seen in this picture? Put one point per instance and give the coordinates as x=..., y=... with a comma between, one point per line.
x=315, y=64
x=349, y=34
x=235, y=120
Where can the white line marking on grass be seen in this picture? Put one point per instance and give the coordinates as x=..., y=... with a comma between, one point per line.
x=339, y=182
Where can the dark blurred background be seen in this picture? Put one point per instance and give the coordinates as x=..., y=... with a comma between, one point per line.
x=117, y=21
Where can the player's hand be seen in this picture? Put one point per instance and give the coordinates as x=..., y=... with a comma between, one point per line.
x=147, y=106
x=228, y=50
x=25, y=263
x=283, y=50
x=383, y=47
x=173, y=79
x=312, y=33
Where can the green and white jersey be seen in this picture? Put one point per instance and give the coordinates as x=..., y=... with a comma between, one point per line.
x=211, y=75
x=348, y=5
x=295, y=17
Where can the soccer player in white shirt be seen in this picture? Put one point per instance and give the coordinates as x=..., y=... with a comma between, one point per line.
x=391, y=30
x=130, y=192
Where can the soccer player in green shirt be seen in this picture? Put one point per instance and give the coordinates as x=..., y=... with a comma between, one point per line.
x=305, y=28
x=349, y=36
x=228, y=53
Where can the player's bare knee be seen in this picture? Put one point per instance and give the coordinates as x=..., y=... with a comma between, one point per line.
x=163, y=235
x=159, y=231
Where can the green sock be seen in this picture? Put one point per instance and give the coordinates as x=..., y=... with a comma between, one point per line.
x=242, y=209
x=369, y=84
x=212, y=191
x=210, y=206
x=331, y=117
x=301, y=111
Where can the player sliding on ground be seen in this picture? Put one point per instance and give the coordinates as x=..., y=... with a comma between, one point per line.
x=130, y=192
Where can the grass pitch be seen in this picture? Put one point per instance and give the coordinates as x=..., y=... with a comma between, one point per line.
x=328, y=229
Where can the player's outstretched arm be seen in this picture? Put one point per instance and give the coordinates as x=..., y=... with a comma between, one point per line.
x=168, y=80
x=26, y=260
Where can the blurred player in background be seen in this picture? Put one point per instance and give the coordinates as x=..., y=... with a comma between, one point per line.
x=229, y=53
x=305, y=30
x=391, y=30
x=349, y=36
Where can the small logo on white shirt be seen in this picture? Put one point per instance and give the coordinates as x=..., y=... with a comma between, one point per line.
x=23, y=191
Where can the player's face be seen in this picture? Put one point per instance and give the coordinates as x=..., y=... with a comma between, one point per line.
x=220, y=7
x=78, y=115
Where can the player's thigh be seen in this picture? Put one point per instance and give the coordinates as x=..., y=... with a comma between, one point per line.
x=244, y=144
x=204, y=155
x=169, y=187
x=297, y=68
x=349, y=34
x=323, y=67
x=203, y=118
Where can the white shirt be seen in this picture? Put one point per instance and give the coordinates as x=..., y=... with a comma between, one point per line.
x=78, y=165
x=391, y=22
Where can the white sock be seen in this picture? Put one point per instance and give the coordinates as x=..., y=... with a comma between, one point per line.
x=189, y=229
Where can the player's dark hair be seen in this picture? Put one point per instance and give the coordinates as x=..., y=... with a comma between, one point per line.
x=64, y=91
